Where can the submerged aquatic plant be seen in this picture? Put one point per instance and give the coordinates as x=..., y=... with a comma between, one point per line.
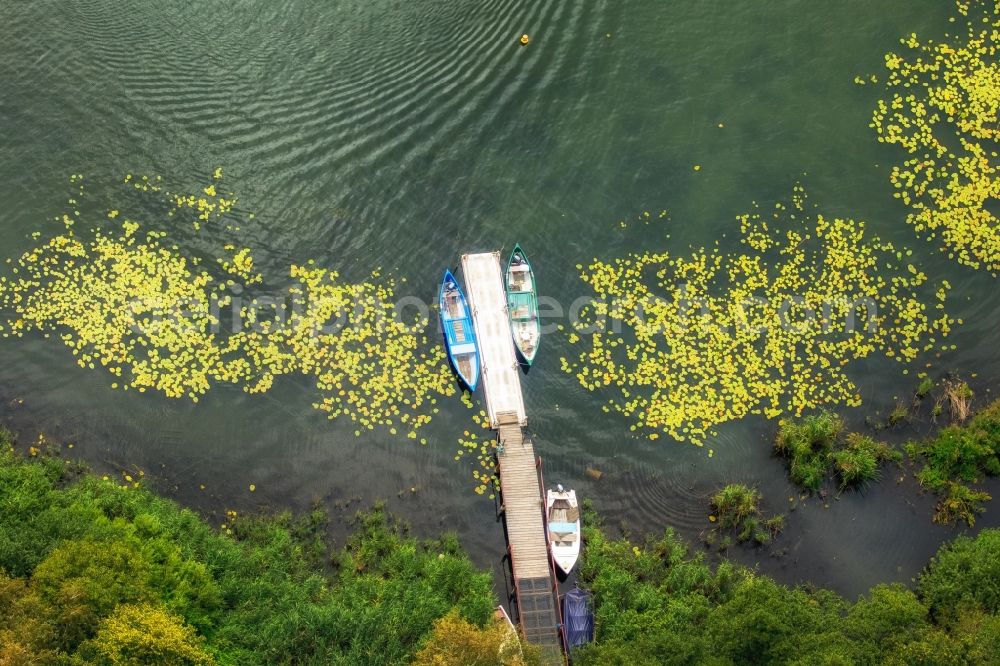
x=941, y=107
x=684, y=343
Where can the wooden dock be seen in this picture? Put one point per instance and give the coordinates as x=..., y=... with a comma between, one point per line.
x=500, y=372
x=521, y=493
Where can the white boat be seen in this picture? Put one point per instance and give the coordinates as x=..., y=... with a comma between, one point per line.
x=500, y=615
x=510, y=651
x=564, y=527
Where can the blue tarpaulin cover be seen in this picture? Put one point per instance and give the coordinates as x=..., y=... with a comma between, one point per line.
x=578, y=618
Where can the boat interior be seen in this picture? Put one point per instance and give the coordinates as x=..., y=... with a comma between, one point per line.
x=464, y=363
x=458, y=328
x=562, y=513
x=519, y=277
x=453, y=304
x=527, y=336
x=521, y=307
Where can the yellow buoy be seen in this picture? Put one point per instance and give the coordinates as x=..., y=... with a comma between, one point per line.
x=525, y=39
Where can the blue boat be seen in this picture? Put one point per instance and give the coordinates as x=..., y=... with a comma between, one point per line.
x=578, y=618
x=459, y=334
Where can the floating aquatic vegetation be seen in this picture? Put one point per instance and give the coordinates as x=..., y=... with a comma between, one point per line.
x=240, y=264
x=126, y=299
x=206, y=204
x=941, y=108
x=482, y=446
x=684, y=343
x=121, y=300
x=369, y=364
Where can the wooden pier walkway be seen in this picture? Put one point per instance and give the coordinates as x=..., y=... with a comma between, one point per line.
x=521, y=493
x=501, y=374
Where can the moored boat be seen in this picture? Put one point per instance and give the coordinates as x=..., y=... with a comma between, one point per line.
x=500, y=615
x=564, y=527
x=511, y=643
x=522, y=304
x=459, y=334
x=578, y=618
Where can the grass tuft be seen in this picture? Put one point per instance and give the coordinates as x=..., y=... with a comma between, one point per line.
x=736, y=508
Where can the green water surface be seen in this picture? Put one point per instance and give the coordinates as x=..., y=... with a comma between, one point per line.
x=400, y=134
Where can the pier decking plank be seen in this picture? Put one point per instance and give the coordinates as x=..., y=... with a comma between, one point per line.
x=488, y=301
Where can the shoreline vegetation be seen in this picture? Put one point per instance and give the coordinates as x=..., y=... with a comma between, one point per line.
x=963, y=452
x=658, y=603
x=93, y=571
x=97, y=572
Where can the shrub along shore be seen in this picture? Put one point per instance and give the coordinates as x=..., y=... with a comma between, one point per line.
x=94, y=572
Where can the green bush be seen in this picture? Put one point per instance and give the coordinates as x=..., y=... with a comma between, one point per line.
x=145, y=634
x=81, y=582
x=657, y=603
x=79, y=552
x=964, y=576
x=891, y=615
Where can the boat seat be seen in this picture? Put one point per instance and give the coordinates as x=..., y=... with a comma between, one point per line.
x=563, y=528
x=467, y=348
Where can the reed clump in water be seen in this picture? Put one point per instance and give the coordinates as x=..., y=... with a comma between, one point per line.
x=807, y=443
x=813, y=446
x=959, y=396
x=858, y=462
x=958, y=456
x=736, y=509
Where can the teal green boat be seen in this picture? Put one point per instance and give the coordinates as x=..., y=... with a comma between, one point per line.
x=522, y=305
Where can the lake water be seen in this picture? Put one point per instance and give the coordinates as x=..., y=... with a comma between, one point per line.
x=402, y=134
